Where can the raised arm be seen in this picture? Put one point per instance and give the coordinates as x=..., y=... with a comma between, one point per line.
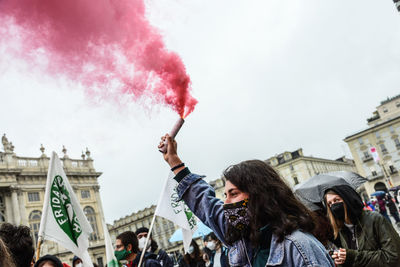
x=198, y=195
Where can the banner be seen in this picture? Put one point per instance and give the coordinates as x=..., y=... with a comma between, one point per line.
x=63, y=220
x=175, y=210
x=111, y=259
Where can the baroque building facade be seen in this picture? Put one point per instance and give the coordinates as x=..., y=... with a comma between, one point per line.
x=382, y=134
x=295, y=168
x=22, y=188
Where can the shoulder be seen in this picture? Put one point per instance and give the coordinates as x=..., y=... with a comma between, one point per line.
x=371, y=217
x=307, y=248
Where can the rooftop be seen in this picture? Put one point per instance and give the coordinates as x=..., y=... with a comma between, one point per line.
x=390, y=99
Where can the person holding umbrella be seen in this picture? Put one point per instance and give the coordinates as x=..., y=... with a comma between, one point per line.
x=365, y=238
x=261, y=221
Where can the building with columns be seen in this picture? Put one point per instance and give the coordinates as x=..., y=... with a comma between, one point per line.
x=22, y=188
x=382, y=134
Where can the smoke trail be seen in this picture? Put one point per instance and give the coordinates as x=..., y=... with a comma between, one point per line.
x=108, y=46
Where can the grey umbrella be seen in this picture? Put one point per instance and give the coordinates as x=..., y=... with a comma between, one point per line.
x=311, y=192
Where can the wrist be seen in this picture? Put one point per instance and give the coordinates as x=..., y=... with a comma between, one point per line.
x=173, y=161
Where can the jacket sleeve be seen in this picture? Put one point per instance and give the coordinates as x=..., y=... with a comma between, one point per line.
x=386, y=255
x=200, y=197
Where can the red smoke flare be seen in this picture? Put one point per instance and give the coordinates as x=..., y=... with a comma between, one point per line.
x=107, y=45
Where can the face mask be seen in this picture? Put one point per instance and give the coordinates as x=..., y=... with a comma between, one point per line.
x=236, y=214
x=237, y=221
x=142, y=241
x=78, y=265
x=121, y=254
x=338, y=210
x=211, y=245
x=191, y=250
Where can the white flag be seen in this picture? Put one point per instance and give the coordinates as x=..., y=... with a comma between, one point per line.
x=63, y=220
x=176, y=211
x=111, y=259
x=374, y=154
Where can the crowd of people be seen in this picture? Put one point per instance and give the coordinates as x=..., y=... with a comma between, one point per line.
x=260, y=223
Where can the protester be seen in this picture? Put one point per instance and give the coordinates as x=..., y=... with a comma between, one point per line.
x=193, y=258
x=127, y=251
x=6, y=259
x=382, y=207
x=365, y=238
x=152, y=247
x=76, y=262
x=48, y=261
x=219, y=253
x=261, y=221
x=19, y=242
x=206, y=251
x=392, y=209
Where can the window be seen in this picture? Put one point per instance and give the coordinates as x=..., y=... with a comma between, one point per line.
x=34, y=223
x=385, y=110
x=291, y=167
x=398, y=104
x=91, y=216
x=366, y=154
x=383, y=148
x=397, y=143
x=85, y=194
x=391, y=129
x=360, y=141
x=296, y=181
x=33, y=196
x=377, y=134
x=100, y=262
x=392, y=169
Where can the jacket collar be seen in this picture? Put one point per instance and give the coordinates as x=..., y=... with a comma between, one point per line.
x=276, y=252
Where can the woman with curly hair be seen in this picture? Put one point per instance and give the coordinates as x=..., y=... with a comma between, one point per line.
x=261, y=221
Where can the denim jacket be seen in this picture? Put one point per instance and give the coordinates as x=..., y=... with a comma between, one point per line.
x=297, y=249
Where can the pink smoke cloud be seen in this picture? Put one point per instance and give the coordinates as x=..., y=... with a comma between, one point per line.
x=108, y=46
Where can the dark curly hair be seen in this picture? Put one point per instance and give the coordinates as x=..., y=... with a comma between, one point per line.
x=127, y=238
x=271, y=201
x=19, y=241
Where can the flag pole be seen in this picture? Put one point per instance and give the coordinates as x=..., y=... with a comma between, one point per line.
x=147, y=238
x=39, y=244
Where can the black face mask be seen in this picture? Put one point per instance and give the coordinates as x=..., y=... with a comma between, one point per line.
x=338, y=210
x=237, y=221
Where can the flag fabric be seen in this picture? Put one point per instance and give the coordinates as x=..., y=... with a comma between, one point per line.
x=397, y=4
x=374, y=154
x=111, y=259
x=171, y=208
x=63, y=220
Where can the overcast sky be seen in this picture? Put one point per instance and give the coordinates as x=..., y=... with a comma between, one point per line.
x=270, y=76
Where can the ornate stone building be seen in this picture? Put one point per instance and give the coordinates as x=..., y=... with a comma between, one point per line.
x=382, y=134
x=22, y=187
x=162, y=229
x=295, y=168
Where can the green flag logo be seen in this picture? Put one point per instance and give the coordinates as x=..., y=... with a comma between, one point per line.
x=176, y=205
x=63, y=211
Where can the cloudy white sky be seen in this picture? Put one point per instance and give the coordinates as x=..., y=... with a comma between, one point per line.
x=270, y=76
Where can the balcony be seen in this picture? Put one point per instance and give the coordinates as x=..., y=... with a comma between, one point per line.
x=384, y=151
x=375, y=176
x=365, y=159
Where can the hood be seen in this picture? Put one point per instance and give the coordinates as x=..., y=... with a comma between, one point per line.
x=352, y=200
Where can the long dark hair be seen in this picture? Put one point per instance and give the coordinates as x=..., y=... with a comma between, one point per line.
x=271, y=201
x=197, y=254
